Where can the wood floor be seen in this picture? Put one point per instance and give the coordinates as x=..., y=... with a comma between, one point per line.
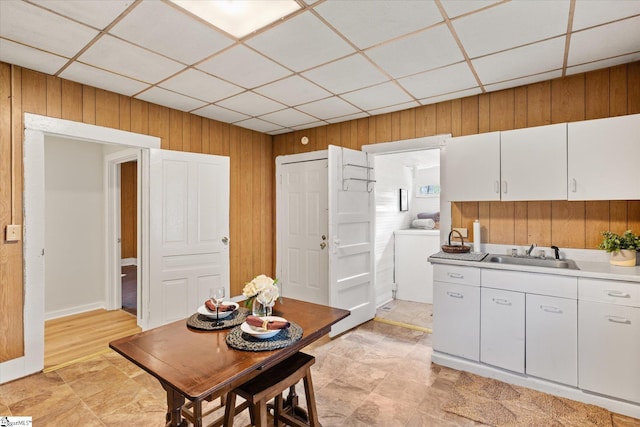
x=72, y=338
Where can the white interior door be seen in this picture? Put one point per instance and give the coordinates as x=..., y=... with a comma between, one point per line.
x=351, y=237
x=189, y=225
x=303, y=267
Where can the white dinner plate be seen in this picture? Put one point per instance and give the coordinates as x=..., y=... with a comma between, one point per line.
x=260, y=332
x=212, y=314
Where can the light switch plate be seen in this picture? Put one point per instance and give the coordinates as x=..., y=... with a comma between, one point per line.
x=13, y=233
x=463, y=231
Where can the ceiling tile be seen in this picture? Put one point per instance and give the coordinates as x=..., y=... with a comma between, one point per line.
x=329, y=107
x=338, y=76
x=348, y=117
x=308, y=125
x=605, y=42
x=452, y=95
x=443, y=80
x=288, y=118
x=123, y=58
x=244, y=67
x=301, y=43
x=597, y=65
x=589, y=13
x=157, y=95
x=258, y=125
x=199, y=85
x=367, y=23
x=528, y=60
x=419, y=52
x=511, y=24
x=456, y=8
x=524, y=80
x=33, y=26
x=221, y=114
x=251, y=103
x=392, y=108
x=293, y=91
x=96, y=77
x=279, y=131
x=378, y=96
x=15, y=53
x=168, y=31
x=98, y=14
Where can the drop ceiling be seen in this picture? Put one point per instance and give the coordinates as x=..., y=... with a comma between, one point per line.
x=331, y=61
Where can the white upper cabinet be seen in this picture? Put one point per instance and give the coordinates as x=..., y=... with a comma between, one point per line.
x=472, y=168
x=604, y=159
x=534, y=163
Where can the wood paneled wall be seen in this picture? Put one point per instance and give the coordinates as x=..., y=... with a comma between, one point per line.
x=603, y=93
x=252, y=170
x=129, y=210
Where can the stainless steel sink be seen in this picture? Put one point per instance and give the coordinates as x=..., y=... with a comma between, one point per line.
x=532, y=262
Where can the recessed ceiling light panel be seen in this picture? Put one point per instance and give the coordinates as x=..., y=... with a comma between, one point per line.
x=239, y=17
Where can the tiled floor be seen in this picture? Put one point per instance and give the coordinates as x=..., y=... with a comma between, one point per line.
x=378, y=374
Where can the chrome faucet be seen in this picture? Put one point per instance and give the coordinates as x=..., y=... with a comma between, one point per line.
x=530, y=250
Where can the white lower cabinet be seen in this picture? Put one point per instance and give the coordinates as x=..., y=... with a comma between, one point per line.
x=502, y=328
x=456, y=315
x=609, y=349
x=552, y=338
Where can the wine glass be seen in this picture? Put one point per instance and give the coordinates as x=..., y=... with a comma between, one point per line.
x=217, y=297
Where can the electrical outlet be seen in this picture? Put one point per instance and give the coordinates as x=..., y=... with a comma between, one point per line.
x=462, y=231
x=13, y=233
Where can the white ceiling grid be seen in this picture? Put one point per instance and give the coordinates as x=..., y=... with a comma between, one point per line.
x=332, y=61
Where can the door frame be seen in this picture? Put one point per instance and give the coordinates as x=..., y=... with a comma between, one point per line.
x=280, y=161
x=36, y=128
x=416, y=144
x=112, y=183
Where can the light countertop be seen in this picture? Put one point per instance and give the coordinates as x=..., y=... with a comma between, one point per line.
x=592, y=269
x=418, y=231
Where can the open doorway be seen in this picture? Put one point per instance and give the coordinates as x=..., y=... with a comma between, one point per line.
x=128, y=236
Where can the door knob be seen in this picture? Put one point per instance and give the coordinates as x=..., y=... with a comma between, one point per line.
x=225, y=240
x=323, y=245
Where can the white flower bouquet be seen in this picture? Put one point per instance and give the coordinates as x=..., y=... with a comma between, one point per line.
x=262, y=287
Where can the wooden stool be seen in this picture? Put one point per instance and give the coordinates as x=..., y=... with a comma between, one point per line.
x=192, y=411
x=272, y=383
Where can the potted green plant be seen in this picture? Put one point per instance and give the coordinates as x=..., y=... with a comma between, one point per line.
x=622, y=248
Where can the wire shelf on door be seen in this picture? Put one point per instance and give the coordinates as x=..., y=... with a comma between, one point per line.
x=368, y=179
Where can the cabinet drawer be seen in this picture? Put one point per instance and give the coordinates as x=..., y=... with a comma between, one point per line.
x=609, y=291
x=609, y=349
x=456, y=320
x=551, y=346
x=532, y=283
x=502, y=329
x=456, y=274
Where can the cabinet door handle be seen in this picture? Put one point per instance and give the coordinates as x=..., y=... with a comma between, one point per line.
x=496, y=187
x=455, y=294
x=504, y=187
x=617, y=319
x=502, y=301
x=618, y=294
x=574, y=185
x=550, y=309
x=456, y=275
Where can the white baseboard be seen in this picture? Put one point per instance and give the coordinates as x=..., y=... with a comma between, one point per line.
x=128, y=261
x=614, y=405
x=73, y=310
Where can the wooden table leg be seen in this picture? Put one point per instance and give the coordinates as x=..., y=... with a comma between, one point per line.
x=175, y=401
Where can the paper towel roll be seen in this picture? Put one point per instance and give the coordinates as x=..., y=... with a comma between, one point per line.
x=476, y=236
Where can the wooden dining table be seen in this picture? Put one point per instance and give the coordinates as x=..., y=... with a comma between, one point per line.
x=195, y=364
